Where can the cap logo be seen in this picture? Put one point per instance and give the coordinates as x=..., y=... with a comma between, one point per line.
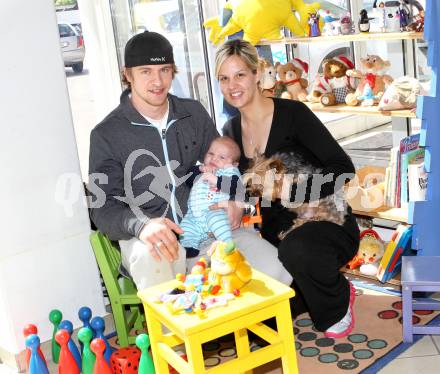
x=157, y=59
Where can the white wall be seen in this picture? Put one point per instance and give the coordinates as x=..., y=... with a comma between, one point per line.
x=45, y=258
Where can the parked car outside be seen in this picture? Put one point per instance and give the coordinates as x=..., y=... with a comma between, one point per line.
x=72, y=46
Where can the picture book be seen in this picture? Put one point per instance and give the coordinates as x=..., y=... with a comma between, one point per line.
x=413, y=156
x=407, y=144
x=400, y=245
x=417, y=181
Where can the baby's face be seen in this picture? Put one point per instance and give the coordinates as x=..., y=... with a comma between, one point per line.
x=219, y=156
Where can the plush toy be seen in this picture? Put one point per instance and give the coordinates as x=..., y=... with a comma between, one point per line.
x=401, y=94
x=229, y=268
x=290, y=84
x=374, y=68
x=335, y=70
x=259, y=19
x=268, y=78
x=331, y=24
x=371, y=250
x=347, y=26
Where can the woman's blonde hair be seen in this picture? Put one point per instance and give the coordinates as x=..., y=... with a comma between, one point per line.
x=237, y=47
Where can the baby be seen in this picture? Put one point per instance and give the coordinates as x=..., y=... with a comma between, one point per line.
x=219, y=181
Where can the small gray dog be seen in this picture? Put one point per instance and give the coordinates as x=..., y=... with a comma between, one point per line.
x=332, y=208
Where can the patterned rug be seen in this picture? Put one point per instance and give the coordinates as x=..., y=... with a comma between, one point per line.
x=377, y=332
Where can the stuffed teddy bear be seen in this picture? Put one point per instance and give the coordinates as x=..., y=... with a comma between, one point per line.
x=229, y=268
x=373, y=81
x=260, y=19
x=341, y=85
x=268, y=78
x=290, y=84
x=371, y=250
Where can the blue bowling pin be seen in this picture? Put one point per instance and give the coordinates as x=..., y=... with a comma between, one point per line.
x=85, y=314
x=36, y=363
x=98, y=325
x=68, y=326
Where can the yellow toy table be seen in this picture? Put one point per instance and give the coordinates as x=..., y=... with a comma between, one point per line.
x=262, y=298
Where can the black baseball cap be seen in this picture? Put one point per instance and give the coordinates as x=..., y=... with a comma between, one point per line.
x=148, y=48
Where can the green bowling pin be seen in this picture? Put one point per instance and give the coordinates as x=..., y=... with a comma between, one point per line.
x=146, y=365
x=85, y=335
x=55, y=316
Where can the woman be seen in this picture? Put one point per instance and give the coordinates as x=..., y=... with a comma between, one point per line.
x=314, y=252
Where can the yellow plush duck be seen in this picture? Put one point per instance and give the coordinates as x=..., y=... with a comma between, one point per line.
x=229, y=268
x=261, y=19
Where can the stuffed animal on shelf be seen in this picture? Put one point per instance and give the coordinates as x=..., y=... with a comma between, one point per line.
x=331, y=24
x=371, y=250
x=401, y=94
x=418, y=22
x=268, y=78
x=259, y=19
x=347, y=26
x=229, y=268
x=364, y=21
x=290, y=84
x=374, y=76
x=341, y=85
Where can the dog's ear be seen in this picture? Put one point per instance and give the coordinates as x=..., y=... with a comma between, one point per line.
x=276, y=164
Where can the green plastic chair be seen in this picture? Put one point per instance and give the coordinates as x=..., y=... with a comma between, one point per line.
x=127, y=308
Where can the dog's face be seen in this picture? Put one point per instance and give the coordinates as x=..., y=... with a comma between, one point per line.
x=264, y=177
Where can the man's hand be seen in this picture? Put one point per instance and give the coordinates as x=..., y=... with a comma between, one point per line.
x=234, y=210
x=159, y=236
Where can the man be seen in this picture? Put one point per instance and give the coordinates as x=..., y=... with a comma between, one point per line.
x=139, y=157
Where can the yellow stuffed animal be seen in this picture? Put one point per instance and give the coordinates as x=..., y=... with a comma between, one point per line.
x=261, y=19
x=229, y=268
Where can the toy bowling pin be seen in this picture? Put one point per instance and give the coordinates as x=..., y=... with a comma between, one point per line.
x=68, y=326
x=98, y=325
x=55, y=316
x=85, y=335
x=146, y=365
x=101, y=366
x=67, y=363
x=85, y=314
x=37, y=365
x=29, y=330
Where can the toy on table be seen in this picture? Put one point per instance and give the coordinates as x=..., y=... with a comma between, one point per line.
x=32, y=330
x=347, y=26
x=67, y=363
x=364, y=21
x=259, y=19
x=331, y=24
x=371, y=250
x=146, y=365
x=291, y=85
x=313, y=21
x=68, y=326
x=85, y=336
x=229, y=268
x=268, y=78
x=98, y=346
x=55, y=317
x=374, y=76
x=37, y=363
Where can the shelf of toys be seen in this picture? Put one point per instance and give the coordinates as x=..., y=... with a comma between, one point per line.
x=406, y=35
x=362, y=110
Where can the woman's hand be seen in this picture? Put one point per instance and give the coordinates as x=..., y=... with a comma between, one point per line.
x=234, y=210
x=159, y=236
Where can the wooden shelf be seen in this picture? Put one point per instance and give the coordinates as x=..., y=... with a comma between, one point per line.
x=364, y=111
x=392, y=214
x=407, y=35
x=393, y=281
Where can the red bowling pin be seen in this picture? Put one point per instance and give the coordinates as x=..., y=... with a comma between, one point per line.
x=28, y=330
x=66, y=363
x=101, y=366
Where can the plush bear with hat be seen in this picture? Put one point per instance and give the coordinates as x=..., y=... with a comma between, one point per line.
x=335, y=70
x=290, y=83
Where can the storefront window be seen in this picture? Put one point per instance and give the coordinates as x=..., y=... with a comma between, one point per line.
x=179, y=22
